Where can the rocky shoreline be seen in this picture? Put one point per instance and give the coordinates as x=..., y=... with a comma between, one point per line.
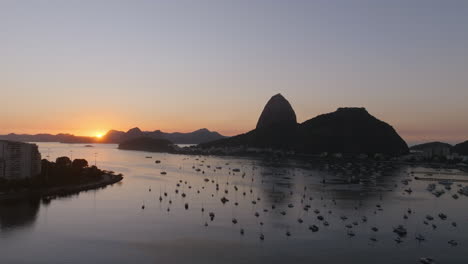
x=107, y=179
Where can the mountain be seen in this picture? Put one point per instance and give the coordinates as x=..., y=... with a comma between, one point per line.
x=64, y=138
x=276, y=128
x=114, y=136
x=195, y=137
x=431, y=145
x=148, y=144
x=347, y=131
x=277, y=112
x=461, y=148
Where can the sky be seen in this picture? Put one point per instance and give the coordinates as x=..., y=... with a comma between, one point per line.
x=85, y=67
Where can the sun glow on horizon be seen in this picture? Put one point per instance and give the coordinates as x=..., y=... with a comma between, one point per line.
x=99, y=135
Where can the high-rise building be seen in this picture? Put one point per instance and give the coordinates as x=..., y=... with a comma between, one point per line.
x=19, y=160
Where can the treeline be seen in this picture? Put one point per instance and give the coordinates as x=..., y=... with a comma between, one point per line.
x=62, y=172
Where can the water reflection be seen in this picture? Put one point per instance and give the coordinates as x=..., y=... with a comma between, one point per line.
x=18, y=214
x=281, y=182
x=110, y=226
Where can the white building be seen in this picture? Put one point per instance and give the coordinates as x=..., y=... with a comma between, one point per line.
x=19, y=160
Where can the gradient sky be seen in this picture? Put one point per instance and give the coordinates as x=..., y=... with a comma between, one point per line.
x=84, y=67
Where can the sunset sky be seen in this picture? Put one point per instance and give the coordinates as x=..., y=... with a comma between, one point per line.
x=85, y=67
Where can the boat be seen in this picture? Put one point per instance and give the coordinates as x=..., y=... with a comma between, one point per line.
x=400, y=230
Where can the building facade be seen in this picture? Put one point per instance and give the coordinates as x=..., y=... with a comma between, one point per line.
x=437, y=151
x=19, y=160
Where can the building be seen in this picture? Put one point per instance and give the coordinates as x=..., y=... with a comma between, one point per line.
x=439, y=151
x=432, y=150
x=19, y=160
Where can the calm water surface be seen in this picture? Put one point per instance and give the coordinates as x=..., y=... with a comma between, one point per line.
x=110, y=226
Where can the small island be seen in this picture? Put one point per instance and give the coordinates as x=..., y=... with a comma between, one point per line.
x=148, y=144
x=60, y=178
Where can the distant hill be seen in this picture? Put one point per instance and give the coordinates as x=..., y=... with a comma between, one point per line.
x=347, y=131
x=195, y=137
x=461, y=148
x=64, y=138
x=148, y=144
x=431, y=145
x=114, y=136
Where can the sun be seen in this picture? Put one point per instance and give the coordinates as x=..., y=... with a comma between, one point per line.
x=99, y=135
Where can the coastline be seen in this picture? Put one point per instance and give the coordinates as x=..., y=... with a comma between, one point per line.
x=107, y=179
x=275, y=155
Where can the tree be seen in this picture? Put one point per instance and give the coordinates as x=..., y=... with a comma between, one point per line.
x=45, y=163
x=63, y=162
x=80, y=163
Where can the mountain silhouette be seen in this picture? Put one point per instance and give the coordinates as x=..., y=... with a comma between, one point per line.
x=195, y=137
x=431, y=145
x=64, y=138
x=277, y=112
x=347, y=131
x=115, y=137
x=461, y=148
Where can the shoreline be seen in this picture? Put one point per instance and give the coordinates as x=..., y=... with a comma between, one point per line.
x=107, y=179
x=312, y=158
